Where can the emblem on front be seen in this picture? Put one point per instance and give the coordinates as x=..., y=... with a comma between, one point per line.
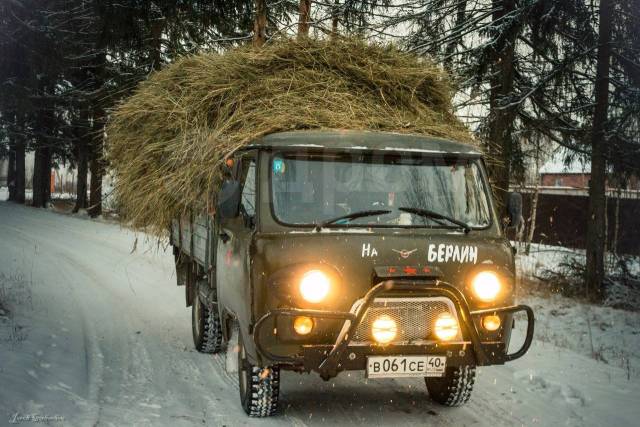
x=404, y=253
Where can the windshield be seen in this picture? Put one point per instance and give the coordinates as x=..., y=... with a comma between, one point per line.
x=314, y=188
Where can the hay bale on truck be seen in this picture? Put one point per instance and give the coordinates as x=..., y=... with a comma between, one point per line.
x=166, y=143
x=353, y=229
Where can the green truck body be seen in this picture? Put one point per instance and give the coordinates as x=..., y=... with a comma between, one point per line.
x=352, y=250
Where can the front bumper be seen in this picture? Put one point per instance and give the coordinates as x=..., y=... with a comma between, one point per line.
x=328, y=360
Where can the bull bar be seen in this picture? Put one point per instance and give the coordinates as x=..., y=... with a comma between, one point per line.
x=329, y=365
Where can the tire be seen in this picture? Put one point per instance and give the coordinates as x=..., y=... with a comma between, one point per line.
x=454, y=388
x=205, y=326
x=259, y=387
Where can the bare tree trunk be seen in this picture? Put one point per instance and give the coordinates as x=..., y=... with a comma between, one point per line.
x=16, y=178
x=41, y=177
x=461, y=9
x=260, y=23
x=594, y=274
x=532, y=225
x=156, y=43
x=534, y=204
x=304, y=17
x=83, y=163
x=36, y=179
x=606, y=223
x=11, y=173
x=20, y=179
x=335, y=19
x=501, y=116
x=97, y=165
x=616, y=222
x=81, y=184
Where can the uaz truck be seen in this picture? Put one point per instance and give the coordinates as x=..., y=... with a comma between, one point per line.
x=330, y=251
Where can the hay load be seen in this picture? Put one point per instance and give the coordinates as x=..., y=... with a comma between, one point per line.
x=165, y=142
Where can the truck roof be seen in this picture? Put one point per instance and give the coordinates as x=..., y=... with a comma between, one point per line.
x=364, y=140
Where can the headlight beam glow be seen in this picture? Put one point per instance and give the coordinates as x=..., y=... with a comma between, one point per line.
x=302, y=325
x=486, y=286
x=446, y=327
x=384, y=329
x=315, y=286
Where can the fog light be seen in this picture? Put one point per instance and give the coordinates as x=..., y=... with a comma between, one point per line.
x=384, y=329
x=491, y=323
x=446, y=327
x=302, y=325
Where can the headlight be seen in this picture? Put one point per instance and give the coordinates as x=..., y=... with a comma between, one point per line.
x=314, y=286
x=486, y=286
x=446, y=327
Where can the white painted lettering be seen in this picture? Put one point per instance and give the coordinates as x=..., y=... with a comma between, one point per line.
x=448, y=253
x=433, y=255
x=366, y=249
x=465, y=254
x=443, y=253
x=473, y=254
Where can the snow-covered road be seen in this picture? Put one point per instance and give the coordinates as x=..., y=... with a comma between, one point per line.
x=101, y=336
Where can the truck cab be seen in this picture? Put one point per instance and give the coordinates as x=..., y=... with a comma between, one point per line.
x=330, y=251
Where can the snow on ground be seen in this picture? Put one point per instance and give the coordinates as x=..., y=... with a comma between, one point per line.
x=605, y=334
x=93, y=335
x=543, y=257
x=622, y=283
x=28, y=194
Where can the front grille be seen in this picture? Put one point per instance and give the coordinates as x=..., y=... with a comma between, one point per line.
x=414, y=317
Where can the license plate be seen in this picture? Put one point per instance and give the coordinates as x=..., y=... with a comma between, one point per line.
x=405, y=366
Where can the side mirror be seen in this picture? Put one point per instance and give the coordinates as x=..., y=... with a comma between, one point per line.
x=228, y=205
x=514, y=209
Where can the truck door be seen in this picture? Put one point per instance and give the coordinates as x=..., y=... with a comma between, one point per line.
x=233, y=253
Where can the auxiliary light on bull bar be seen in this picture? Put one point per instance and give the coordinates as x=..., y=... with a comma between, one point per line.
x=384, y=329
x=446, y=327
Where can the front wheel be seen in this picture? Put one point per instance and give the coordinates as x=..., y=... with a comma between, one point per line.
x=454, y=388
x=206, y=326
x=259, y=387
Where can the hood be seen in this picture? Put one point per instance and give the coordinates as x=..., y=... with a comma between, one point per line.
x=361, y=258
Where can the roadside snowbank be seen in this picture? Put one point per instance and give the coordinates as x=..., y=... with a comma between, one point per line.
x=553, y=267
x=549, y=257
x=605, y=334
x=601, y=332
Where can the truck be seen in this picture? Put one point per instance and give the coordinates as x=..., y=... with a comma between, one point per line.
x=338, y=250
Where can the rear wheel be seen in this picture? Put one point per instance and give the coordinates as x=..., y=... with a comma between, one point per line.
x=454, y=388
x=206, y=326
x=259, y=387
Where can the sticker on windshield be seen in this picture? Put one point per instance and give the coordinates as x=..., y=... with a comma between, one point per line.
x=278, y=166
x=452, y=253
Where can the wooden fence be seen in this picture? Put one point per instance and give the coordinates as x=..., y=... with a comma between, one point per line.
x=561, y=220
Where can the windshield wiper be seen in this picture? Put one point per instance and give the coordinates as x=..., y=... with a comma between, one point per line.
x=352, y=215
x=436, y=216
